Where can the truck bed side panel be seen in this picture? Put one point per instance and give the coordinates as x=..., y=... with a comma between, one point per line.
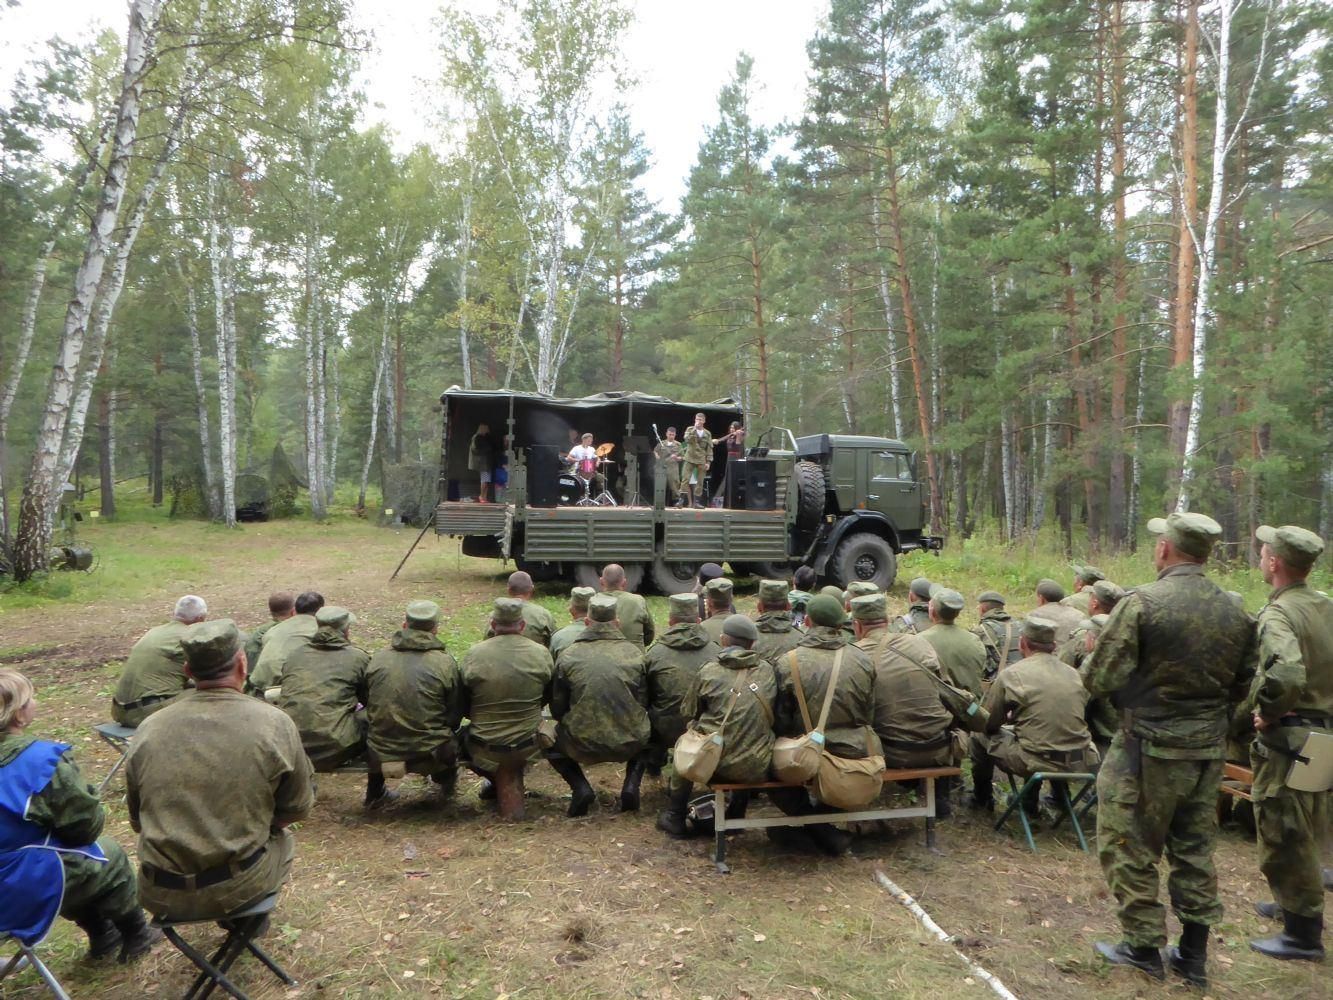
x=744, y=536
x=572, y=534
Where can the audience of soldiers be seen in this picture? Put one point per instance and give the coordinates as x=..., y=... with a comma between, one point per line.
x=1097, y=677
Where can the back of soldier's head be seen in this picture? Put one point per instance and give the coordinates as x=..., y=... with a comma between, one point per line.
x=309, y=602
x=804, y=578
x=613, y=576
x=189, y=609
x=281, y=602
x=1050, y=591
x=520, y=583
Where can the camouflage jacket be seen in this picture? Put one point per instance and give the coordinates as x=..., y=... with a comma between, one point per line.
x=1174, y=656
x=713, y=624
x=850, y=730
x=600, y=695
x=68, y=806
x=1044, y=700
x=747, y=738
x=962, y=656
x=279, y=642
x=1064, y=618
x=636, y=623
x=506, y=680
x=672, y=663
x=1080, y=601
x=698, y=447
x=778, y=634
x=999, y=632
x=322, y=685
x=910, y=712
x=254, y=644
x=415, y=696
x=916, y=620
x=561, y=638
x=155, y=666
x=538, y=624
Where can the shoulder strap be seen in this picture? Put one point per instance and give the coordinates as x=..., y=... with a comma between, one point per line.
x=1008, y=643
x=754, y=690
x=988, y=640
x=832, y=685
x=795, y=662
x=727, y=714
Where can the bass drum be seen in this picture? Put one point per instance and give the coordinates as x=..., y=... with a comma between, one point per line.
x=569, y=489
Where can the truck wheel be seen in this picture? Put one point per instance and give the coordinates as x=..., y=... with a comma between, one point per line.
x=864, y=557
x=673, y=577
x=590, y=575
x=807, y=480
x=763, y=570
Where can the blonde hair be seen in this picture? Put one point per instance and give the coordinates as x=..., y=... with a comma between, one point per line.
x=15, y=692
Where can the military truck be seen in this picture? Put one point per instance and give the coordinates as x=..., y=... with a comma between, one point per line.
x=846, y=505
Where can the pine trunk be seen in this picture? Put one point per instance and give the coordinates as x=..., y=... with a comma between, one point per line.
x=1116, y=515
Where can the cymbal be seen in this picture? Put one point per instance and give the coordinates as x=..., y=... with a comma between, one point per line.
x=605, y=449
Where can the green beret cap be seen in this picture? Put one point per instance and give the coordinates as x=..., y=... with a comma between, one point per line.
x=602, y=608
x=1088, y=574
x=579, y=598
x=825, y=610
x=920, y=587
x=773, y=591
x=990, y=597
x=685, y=606
x=740, y=627
x=870, y=608
x=1108, y=594
x=860, y=588
x=332, y=616
x=423, y=613
x=951, y=599
x=709, y=571
x=1194, y=534
x=834, y=592
x=1051, y=590
x=507, y=611
x=719, y=587
x=211, y=645
x=1039, y=630
x=1291, y=543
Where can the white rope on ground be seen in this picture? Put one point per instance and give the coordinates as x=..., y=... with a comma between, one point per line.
x=923, y=917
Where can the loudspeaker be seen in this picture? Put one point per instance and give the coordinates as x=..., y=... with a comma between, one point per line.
x=736, y=476
x=761, y=484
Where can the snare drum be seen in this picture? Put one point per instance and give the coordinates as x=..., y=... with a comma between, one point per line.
x=568, y=489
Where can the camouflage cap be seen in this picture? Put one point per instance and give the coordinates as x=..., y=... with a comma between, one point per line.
x=1088, y=574
x=920, y=587
x=825, y=610
x=602, y=608
x=740, y=627
x=1051, y=590
x=507, y=611
x=684, y=606
x=1194, y=534
x=334, y=617
x=423, y=613
x=946, y=598
x=1294, y=545
x=870, y=608
x=1108, y=594
x=721, y=587
x=990, y=597
x=773, y=591
x=834, y=592
x=860, y=588
x=579, y=598
x=211, y=645
x=1039, y=630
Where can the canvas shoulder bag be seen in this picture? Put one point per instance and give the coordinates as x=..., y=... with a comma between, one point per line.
x=796, y=758
x=697, y=754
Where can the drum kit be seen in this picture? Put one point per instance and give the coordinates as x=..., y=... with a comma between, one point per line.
x=575, y=484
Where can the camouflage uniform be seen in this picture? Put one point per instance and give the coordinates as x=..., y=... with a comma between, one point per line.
x=719, y=595
x=1294, y=685
x=1065, y=619
x=636, y=623
x=747, y=744
x=280, y=642
x=254, y=644
x=671, y=665
x=414, y=704
x=850, y=730
x=1080, y=600
x=538, y=623
x=70, y=809
x=506, y=680
x=322, y=685
x=778, y=634
x=578, y=607
x=999, y=632
x=962, y=656
x=600, y=697
x=915, y=621
x=1173, y=656
x=153, y=674
x=212, y=782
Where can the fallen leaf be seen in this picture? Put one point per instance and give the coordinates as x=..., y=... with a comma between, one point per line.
x=409, y=850
x=761, y=937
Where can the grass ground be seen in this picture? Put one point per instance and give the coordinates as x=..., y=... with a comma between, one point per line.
x=427, y=899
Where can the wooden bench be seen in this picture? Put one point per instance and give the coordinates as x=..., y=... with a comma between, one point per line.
x=1236, y=781
x=927, y=775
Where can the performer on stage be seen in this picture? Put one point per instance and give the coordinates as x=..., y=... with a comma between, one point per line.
x=698, y=457
x=583, y=458
x=735, y=441
x=480, y=459
x=668, y=454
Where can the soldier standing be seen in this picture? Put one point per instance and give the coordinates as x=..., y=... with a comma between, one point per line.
x=1175, y=655
x=154, y=672
x=506, y=680
x=1292, y=696
x=917, y=618
x=578, y=610
x=599, y=695
x=998, y=631
x=669, y=456
x=694, y=468
x=777, y=631
x=962, y=656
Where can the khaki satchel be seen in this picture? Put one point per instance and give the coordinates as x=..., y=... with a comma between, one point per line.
x=697, y=754
x=545, y=735
x=848, y=784
x=796, y=758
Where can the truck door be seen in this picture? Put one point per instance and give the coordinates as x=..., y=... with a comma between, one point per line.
x=893, y=490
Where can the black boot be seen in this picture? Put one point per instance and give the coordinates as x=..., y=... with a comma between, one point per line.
x=671, y=820
x=1301, y=939
x=377, y=792
x=944, y=798
x=137, y=936
x=103, y=937
x=1189, y=959
x=1147, y=960
x=1269, y=911
x=737, y=804
x=581, y=795
x=629, y=791
x=486, y=792
x=446, y=780
x=829, y=839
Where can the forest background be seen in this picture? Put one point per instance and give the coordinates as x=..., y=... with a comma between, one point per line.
x=1077, y=255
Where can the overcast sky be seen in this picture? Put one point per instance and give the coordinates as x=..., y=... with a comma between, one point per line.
x=681, y=52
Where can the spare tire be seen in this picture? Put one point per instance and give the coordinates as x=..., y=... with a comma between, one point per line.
x=807, y=481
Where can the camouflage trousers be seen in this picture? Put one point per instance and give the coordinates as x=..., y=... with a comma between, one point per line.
x=95, y=889
x=1170, y=806
x=1292, y=828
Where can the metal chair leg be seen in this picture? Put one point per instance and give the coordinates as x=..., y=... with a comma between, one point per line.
x=208, y=970
x=720, y=832
x=124, y=752
x=1063, y=787
x=1016, y=804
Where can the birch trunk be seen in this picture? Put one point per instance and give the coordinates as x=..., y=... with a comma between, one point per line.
x=381, y=364
x=464, y=266
x=226, y=354
x=333, y=422
x=34, y=533
x=200, y=397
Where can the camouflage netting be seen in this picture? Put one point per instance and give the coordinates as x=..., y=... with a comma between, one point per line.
x=258, y=496
x=284, y=481
x=187, y=494
x=410, y=490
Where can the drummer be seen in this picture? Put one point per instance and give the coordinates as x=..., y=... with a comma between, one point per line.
x=583, y=461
